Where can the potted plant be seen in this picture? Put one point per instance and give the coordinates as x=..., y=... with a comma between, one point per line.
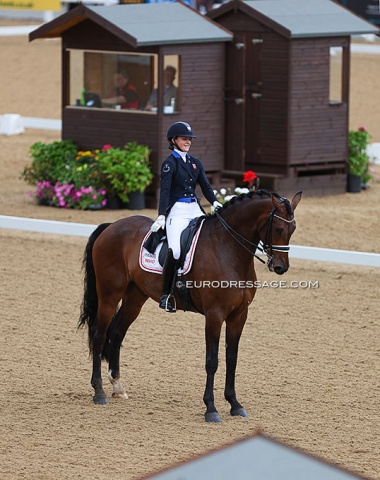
x=50, y=162
x=358, y=159
x=126, y=171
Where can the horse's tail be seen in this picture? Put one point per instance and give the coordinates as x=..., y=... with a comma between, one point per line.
x=89, y=307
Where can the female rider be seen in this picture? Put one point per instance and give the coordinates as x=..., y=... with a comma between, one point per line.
x=178, y=205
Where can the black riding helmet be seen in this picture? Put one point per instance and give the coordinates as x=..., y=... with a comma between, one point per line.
x=178, y=129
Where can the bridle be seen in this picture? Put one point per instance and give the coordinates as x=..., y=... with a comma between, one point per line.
x=267, y=247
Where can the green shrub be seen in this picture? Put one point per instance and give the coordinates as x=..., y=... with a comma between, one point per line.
x=126, y=169
x=50, y=162
x=358, y=160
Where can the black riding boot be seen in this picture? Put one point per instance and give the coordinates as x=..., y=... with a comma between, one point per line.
x=170, y=270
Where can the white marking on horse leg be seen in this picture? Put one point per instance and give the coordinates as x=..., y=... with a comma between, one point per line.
x=118, y=389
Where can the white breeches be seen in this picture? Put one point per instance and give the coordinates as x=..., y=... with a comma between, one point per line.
x=178, y=219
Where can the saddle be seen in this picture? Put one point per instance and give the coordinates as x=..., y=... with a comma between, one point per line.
x=153, y=253
x=153, y=241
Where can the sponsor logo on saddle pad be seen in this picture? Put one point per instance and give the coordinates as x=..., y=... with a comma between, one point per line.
x=149, y=261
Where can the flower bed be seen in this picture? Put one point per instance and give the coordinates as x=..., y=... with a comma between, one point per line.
x=67, y=177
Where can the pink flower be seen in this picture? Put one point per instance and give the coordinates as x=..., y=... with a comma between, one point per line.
x=106, y=147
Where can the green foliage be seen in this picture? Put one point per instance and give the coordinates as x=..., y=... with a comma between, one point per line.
x=126, y=169
x=358, y=160
x=50, y=162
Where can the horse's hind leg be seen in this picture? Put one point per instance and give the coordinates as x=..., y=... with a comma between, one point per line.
x=130, y=308
x=103, y=319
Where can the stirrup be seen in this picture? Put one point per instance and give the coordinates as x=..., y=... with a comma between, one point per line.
x=166, y=305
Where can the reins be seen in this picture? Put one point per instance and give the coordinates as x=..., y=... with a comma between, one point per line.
x=234, y=234
x=268, y=238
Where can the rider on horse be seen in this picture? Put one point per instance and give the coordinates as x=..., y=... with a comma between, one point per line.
x=178, y=205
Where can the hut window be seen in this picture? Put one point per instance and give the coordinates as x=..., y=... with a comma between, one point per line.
x=170, y=87
x=110, y=80
x=336, y=75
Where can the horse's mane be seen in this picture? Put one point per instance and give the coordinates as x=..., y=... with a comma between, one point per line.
x=251, y=194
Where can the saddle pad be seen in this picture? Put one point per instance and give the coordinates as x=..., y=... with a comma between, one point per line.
x=149, y=261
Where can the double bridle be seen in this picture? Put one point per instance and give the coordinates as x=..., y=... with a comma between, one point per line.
x=267, y=247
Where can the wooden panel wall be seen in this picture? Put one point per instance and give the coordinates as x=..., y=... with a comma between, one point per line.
x=202, y=105
x=318, y=130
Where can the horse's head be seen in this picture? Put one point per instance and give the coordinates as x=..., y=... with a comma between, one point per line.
x=276, y=230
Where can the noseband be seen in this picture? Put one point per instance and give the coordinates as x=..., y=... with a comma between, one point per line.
x=267, y=247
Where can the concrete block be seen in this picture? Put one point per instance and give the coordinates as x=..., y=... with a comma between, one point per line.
x=11, y=124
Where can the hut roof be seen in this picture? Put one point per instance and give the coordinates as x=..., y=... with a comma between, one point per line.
x=258, y=456
x=141, y=24
x=302, y=18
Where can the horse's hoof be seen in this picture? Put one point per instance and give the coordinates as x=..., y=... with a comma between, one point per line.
x=100, y=399
x=212, y=417
x=239, y=412
x=120, y=395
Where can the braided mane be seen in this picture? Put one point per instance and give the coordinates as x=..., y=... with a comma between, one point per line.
x=252, y=194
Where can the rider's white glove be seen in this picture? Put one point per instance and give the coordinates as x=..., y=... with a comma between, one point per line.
x=159, y=223
x=217, y=205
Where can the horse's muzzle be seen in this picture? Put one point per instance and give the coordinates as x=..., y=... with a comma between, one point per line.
x=280, y=270
x=277, y=266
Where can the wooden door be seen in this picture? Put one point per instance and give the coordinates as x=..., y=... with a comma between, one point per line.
x=234, y=101
x=253, y=98
x=243, y=99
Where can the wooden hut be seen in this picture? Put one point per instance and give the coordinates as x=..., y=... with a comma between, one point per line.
x=287, y=91
x=143, y=39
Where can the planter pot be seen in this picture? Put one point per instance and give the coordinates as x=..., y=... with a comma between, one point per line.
x=354, y=183
x=95, y=206
x=114, y=203
x=45, y=202
x=136, y=201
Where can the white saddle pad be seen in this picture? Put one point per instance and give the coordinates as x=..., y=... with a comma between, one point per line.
x=149, y=261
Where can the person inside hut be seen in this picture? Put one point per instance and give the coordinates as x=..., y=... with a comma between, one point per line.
x=123, y=95
x=170, y=91
x=178, y=204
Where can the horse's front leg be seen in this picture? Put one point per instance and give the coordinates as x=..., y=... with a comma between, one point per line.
x=234, y=328
x=213, y=327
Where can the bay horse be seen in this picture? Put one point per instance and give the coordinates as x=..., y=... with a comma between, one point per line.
x=116, y=287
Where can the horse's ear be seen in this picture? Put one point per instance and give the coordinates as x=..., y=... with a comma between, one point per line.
x=296, y=200
x=276, y=200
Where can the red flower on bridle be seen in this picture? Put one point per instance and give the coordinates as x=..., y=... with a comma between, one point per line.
x=249, y=176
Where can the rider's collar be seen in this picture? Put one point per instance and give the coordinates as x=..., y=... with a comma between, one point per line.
x=179, y=154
